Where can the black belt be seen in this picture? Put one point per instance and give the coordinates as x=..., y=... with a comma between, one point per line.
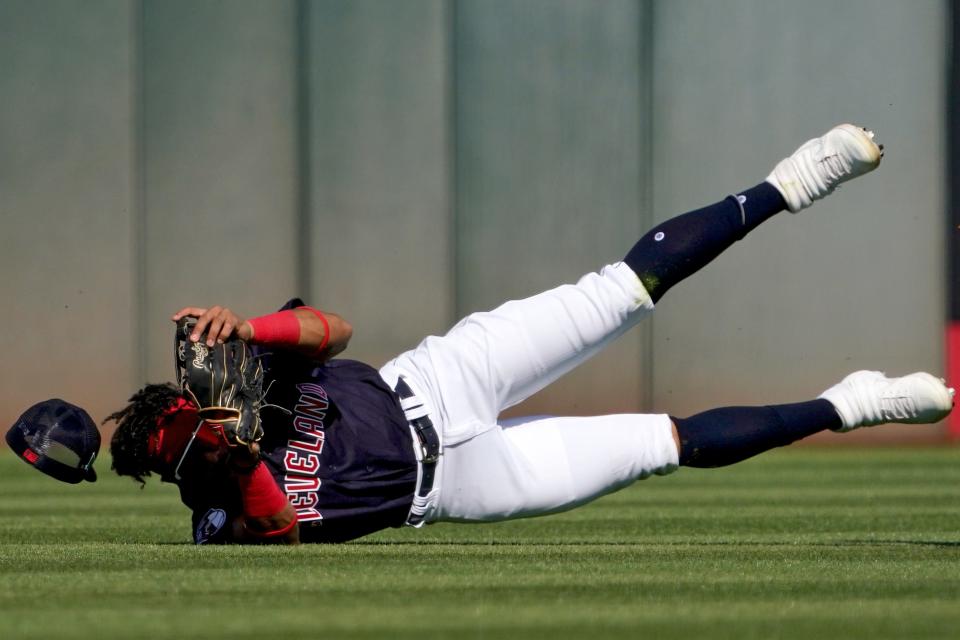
x=429, y=441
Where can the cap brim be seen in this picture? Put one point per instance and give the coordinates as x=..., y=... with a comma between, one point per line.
x=61, y=472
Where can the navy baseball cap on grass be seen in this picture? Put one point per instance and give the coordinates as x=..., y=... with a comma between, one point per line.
x=57, y=438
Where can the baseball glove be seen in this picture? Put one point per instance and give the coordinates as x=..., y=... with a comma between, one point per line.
x=225, y=381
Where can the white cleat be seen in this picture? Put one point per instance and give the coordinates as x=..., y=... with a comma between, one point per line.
x=819, y=165
x=867, y=398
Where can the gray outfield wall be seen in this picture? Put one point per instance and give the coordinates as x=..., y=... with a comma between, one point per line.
x=405, y=163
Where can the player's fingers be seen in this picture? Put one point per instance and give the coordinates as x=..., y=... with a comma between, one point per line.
x=231, y=322
x=226, y=329
x=213, y=329
x=193, y=312
x=203, y=322
x=222, y=327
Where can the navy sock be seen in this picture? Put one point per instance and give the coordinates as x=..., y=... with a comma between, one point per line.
x=681, y=246
x=724, y=436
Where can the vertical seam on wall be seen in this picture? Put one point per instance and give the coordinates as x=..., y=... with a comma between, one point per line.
x=951, y=266
x=952, y=164
x=303, y=143
x=138, y=193
x=645, y=180
x=453, y=179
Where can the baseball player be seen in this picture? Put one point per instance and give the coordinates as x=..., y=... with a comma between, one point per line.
x=347, y=450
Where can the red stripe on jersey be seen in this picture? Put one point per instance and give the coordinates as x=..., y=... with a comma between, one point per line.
x=953, y=373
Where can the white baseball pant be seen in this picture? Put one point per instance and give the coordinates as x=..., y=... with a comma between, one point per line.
x=492, y=470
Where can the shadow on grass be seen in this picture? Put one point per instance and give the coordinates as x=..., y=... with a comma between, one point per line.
x=915, y=543
x=671, y=543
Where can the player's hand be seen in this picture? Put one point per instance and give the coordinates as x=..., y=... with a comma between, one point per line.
x=219, y=323
x=244, y=458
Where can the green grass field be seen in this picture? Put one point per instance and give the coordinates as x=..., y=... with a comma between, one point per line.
x=800, y=543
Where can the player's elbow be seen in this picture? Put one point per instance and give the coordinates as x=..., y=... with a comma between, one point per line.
x=340, y=333
x=280, y=528
x=347, y=332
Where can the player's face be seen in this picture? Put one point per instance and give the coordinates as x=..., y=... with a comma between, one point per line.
x=181, y=438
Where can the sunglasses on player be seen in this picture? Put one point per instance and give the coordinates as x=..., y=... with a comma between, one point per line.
x=178, y=429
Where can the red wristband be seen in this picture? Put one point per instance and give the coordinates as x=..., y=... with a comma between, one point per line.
x=326, y=327
x=278, y=329
x=274, y=534
x=261, y=496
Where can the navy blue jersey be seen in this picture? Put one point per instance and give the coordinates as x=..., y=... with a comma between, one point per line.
x=343, y=454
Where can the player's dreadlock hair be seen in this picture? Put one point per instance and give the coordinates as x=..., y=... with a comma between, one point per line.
x=135, y=423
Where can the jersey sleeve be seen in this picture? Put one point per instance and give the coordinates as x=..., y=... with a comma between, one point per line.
x=279, y=364
x=215, y=506
x=212, y=526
